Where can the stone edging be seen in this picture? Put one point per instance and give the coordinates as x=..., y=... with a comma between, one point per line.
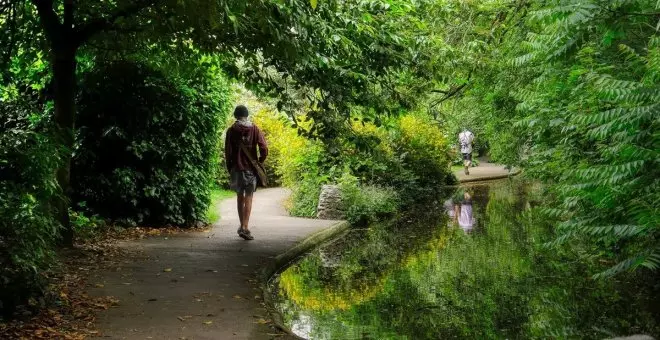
x=281, y=261
x=489, y=178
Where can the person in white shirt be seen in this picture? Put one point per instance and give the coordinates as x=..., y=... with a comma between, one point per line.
x=466, y=138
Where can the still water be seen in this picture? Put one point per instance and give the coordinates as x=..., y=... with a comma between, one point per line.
x=473, y=265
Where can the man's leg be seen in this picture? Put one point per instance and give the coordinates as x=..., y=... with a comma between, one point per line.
x=247, y=210
x=240, y=204
x=466, y=163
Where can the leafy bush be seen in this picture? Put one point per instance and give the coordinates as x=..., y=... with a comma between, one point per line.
x=85, y=227
x=366, y=204
x=412, y=156
x=148, y=144
x=28, y=160
x=294, y=161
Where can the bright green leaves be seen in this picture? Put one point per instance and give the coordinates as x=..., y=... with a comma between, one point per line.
x=314, y=3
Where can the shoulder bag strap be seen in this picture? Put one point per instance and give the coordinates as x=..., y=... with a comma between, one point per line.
x=261, y=173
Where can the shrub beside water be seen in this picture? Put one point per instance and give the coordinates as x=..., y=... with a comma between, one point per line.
x=366, y=204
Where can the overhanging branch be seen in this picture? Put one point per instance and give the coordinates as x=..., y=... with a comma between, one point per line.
x=110, y=23
x=452, y=92
x=440, y=91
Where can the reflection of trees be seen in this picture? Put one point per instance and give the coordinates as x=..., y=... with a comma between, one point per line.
x=418, y=281
x=475, y=286
x=364, y=259
x=434, y=283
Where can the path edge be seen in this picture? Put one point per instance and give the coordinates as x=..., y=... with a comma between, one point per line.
x=490, y=178
x=282, y=261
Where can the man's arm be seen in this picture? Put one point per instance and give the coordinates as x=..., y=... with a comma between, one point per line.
x=262, y=145
x=228, y=151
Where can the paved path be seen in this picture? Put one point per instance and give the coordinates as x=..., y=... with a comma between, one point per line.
x=485, y=171
x=201, y=285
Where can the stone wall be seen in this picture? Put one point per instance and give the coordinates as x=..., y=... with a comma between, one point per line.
x=330, y=207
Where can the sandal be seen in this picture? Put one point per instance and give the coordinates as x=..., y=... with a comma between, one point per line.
x=245, y=234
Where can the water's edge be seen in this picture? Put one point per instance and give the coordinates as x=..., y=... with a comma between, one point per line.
x=283, y=261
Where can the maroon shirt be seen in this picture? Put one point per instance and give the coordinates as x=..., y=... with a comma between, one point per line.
x=234, y=157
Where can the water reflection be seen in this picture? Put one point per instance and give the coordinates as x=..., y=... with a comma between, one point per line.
x=420, y=279
x=460, y=212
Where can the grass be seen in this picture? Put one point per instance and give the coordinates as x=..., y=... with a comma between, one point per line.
x=455, y=168
x=217, y=196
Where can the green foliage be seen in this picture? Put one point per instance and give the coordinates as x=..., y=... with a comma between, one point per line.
x=366, y=204
x=406, y=153
x=28, y=160
x=409, y=154
x=596, y=118
x=154, y=163
x=294, y=161
x=568, y=90
x=309, y=165
x=86, y=227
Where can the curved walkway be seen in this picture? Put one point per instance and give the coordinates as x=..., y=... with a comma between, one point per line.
x=484, y=172
x=205, y=285
x=202, y=285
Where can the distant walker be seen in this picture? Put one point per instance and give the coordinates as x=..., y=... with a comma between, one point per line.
x=465, y=139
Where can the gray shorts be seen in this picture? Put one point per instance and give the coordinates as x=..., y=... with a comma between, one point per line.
x=243, y=182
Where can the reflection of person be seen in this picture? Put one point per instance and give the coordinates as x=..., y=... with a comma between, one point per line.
x=466, y=138
x=465, y=217
x=243, y=179
x=461, y=212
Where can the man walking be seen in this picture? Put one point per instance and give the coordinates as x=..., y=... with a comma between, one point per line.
x=241, y=144
x=465, y=138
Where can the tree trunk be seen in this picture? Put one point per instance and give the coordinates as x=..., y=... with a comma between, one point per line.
x=64, y=78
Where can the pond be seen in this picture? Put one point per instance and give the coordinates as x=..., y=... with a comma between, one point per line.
x=473, y=265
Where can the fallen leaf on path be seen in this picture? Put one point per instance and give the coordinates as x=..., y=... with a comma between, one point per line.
x=167, y=270
x=207, y=322
x=181, y=318
x=236, y=297
x=98, y=285
x=262, y=321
